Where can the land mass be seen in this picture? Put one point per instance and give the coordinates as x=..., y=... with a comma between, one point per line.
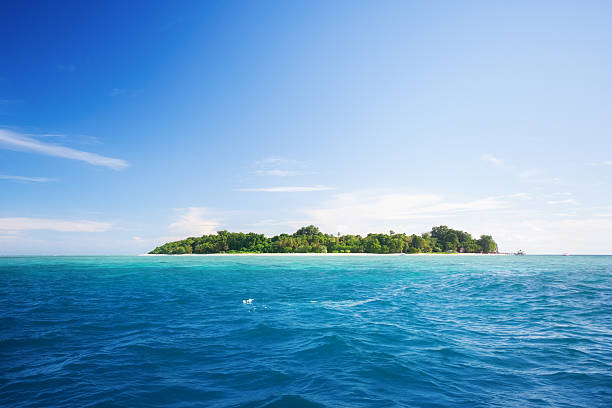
x=441, y=239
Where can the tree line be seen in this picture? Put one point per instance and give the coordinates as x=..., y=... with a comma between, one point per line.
x=310, y=239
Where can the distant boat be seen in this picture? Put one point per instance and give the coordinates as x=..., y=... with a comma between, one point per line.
x=566, y=254
x=519, y=252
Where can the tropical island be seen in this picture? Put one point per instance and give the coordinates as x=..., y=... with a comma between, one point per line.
x=309, y=239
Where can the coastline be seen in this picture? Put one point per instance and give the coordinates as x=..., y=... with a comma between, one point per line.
x=313, y=254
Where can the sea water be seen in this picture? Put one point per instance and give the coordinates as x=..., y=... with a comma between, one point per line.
x=380, y=331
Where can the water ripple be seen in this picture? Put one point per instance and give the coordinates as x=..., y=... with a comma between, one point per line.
x=335, y=332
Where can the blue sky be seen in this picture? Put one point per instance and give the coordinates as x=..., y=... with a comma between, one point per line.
x=126, y=125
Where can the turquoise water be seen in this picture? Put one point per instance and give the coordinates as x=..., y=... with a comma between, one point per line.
x=531, y=331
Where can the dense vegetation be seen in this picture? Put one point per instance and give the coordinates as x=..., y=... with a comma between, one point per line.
x=310, y=239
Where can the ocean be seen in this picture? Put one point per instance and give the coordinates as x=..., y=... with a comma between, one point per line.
x=248, y=331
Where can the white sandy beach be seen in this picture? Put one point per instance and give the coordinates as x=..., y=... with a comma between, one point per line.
x=330, y=254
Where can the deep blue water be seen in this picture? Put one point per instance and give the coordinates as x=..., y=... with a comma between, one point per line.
x=531, y=331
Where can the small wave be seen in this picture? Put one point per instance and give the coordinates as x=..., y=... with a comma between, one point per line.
x=341, y=304
x=247, y=301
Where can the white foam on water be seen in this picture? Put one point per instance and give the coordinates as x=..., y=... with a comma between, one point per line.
x=347, y=303
x=247, y=301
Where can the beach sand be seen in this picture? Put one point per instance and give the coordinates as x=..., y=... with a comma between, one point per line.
x=339, y=254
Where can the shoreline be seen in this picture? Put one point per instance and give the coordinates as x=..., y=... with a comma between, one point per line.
x=293, y=254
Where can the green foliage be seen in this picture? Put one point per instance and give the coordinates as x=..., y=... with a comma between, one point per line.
x=309, y=231
x=310, y=239
x=487, y=244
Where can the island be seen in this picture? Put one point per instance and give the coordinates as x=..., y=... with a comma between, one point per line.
x=441, y=239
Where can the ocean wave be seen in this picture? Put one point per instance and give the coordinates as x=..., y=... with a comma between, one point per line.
x=306, y=332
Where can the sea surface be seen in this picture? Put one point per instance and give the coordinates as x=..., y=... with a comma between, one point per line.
x=380, y=331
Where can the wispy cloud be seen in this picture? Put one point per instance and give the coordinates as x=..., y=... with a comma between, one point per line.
x=278, y=173
x=548, y=236
x=15, y=141
x=286, y=189
x=531, y=175
x=276, y=167
x=360, y=211
x=27, y=224
x=26, y=179
x=492, y=159
x=272, y=161
x=600, y=164
x=570, y=201
x=188, y=222
x=195, y=221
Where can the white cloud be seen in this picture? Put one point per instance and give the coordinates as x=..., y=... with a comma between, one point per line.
x=188, y=222
x=602, y=163
x=537, y=176
x=286, y=189
x=513, y=224
x=363, y=212
x=492, y=159
x=14, y=141
x=195, y=221
x=27, y=179
x=30, y=224
x=272, y=161
x=576, y=235
x=278, y=173
x=531, y=175
x=276, y=167
x=566, y=201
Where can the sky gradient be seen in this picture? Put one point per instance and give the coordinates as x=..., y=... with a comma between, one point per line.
x=124, y=126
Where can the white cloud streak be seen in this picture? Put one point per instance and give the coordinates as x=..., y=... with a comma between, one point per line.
x=492, y=159
x=513, y=225
x=278, y=173
x=276, y=167
x=531, y=175
x=195, y=221
x=26, y=179
x=359, y=212
x=286, y=189
x=14, y=141
x=31, y=224
x=576, y=236
x=570, y=201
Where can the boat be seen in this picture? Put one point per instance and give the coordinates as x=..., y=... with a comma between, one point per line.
x=519, y=252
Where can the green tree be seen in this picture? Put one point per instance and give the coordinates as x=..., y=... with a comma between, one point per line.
x=487, y=244
x=310, y=239
x=310, y=231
